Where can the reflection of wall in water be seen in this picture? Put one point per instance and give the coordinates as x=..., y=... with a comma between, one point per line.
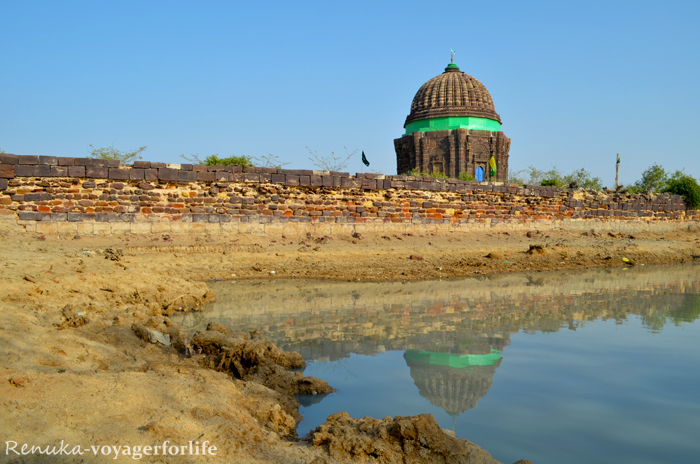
x=331, y=320
x=459, y=342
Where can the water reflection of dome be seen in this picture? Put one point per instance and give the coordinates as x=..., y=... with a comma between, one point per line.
x=452, y=382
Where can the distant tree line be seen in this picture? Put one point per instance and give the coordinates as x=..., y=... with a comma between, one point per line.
x=555, y=178
x=654, y=180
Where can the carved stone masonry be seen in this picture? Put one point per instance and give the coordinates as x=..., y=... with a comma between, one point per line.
x=453, y=152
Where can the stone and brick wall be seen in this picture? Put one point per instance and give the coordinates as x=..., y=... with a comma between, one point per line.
x=56, y=195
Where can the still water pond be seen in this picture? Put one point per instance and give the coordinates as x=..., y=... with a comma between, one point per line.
x=569, y=367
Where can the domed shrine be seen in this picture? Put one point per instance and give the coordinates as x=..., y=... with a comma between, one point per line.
x=453, y=128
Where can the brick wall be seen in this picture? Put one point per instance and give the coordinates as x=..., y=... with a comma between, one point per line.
x=57, y=195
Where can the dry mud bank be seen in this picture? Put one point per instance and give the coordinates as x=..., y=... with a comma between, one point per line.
x=79, y=316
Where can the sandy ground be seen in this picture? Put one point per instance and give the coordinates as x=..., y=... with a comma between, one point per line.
x=74, y=370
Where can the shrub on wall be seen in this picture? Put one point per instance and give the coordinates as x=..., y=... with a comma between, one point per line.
x=685, y=185
x=216, y=160
x=111, y=153
x=552, y=182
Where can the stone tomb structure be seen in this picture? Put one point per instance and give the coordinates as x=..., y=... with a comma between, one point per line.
x=453, y=128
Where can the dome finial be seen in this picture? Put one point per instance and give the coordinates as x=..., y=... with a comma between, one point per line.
x=452, y=67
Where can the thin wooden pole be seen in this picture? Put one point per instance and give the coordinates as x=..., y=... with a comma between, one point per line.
x=617, y=171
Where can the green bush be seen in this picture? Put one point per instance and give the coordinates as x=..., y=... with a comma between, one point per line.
x=465, y=176
x=685, y=185
x=215, y=160
x=554, y=182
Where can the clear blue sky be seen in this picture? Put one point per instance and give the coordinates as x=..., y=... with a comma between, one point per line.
x=574, y=82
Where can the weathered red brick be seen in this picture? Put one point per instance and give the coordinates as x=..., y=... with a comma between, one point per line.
x=7, y=171
x=93, y=172
x=119, y=174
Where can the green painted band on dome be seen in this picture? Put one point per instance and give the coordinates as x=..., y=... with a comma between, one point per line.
x=453, y=360
x=454, y=122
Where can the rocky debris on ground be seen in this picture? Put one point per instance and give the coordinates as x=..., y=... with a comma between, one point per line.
x=114, y=255
x=262, y=374
x=160, y=329
x=152, y=336
x=416, y=439
x=276, y=412
x=253, y=358
x=73, y=318
x=539, y=249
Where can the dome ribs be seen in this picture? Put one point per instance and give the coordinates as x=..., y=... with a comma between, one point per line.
x=431, y=97
x=464, y=93
x=452, y=94
x=441, y=92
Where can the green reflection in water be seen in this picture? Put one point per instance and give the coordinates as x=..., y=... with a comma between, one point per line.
x=455, y=361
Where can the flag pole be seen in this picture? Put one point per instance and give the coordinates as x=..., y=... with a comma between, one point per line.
x=617, y=171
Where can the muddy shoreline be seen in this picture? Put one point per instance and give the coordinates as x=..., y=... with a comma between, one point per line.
x=77, y=311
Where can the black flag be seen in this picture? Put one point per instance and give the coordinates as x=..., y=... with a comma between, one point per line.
x=364, y=159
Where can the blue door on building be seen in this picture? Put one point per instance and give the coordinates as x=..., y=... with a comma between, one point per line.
x=479, y=173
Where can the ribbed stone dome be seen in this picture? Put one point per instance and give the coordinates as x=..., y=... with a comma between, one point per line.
x=452, y=93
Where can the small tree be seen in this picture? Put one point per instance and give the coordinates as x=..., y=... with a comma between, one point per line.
x=583, y=179
x=536, y=176
x=331, y=162
x=111, y=153
x=516, y=177
x=681, y=183
x=654, y=178
x=269, y=161
x=193, y=159
x=465, y=176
